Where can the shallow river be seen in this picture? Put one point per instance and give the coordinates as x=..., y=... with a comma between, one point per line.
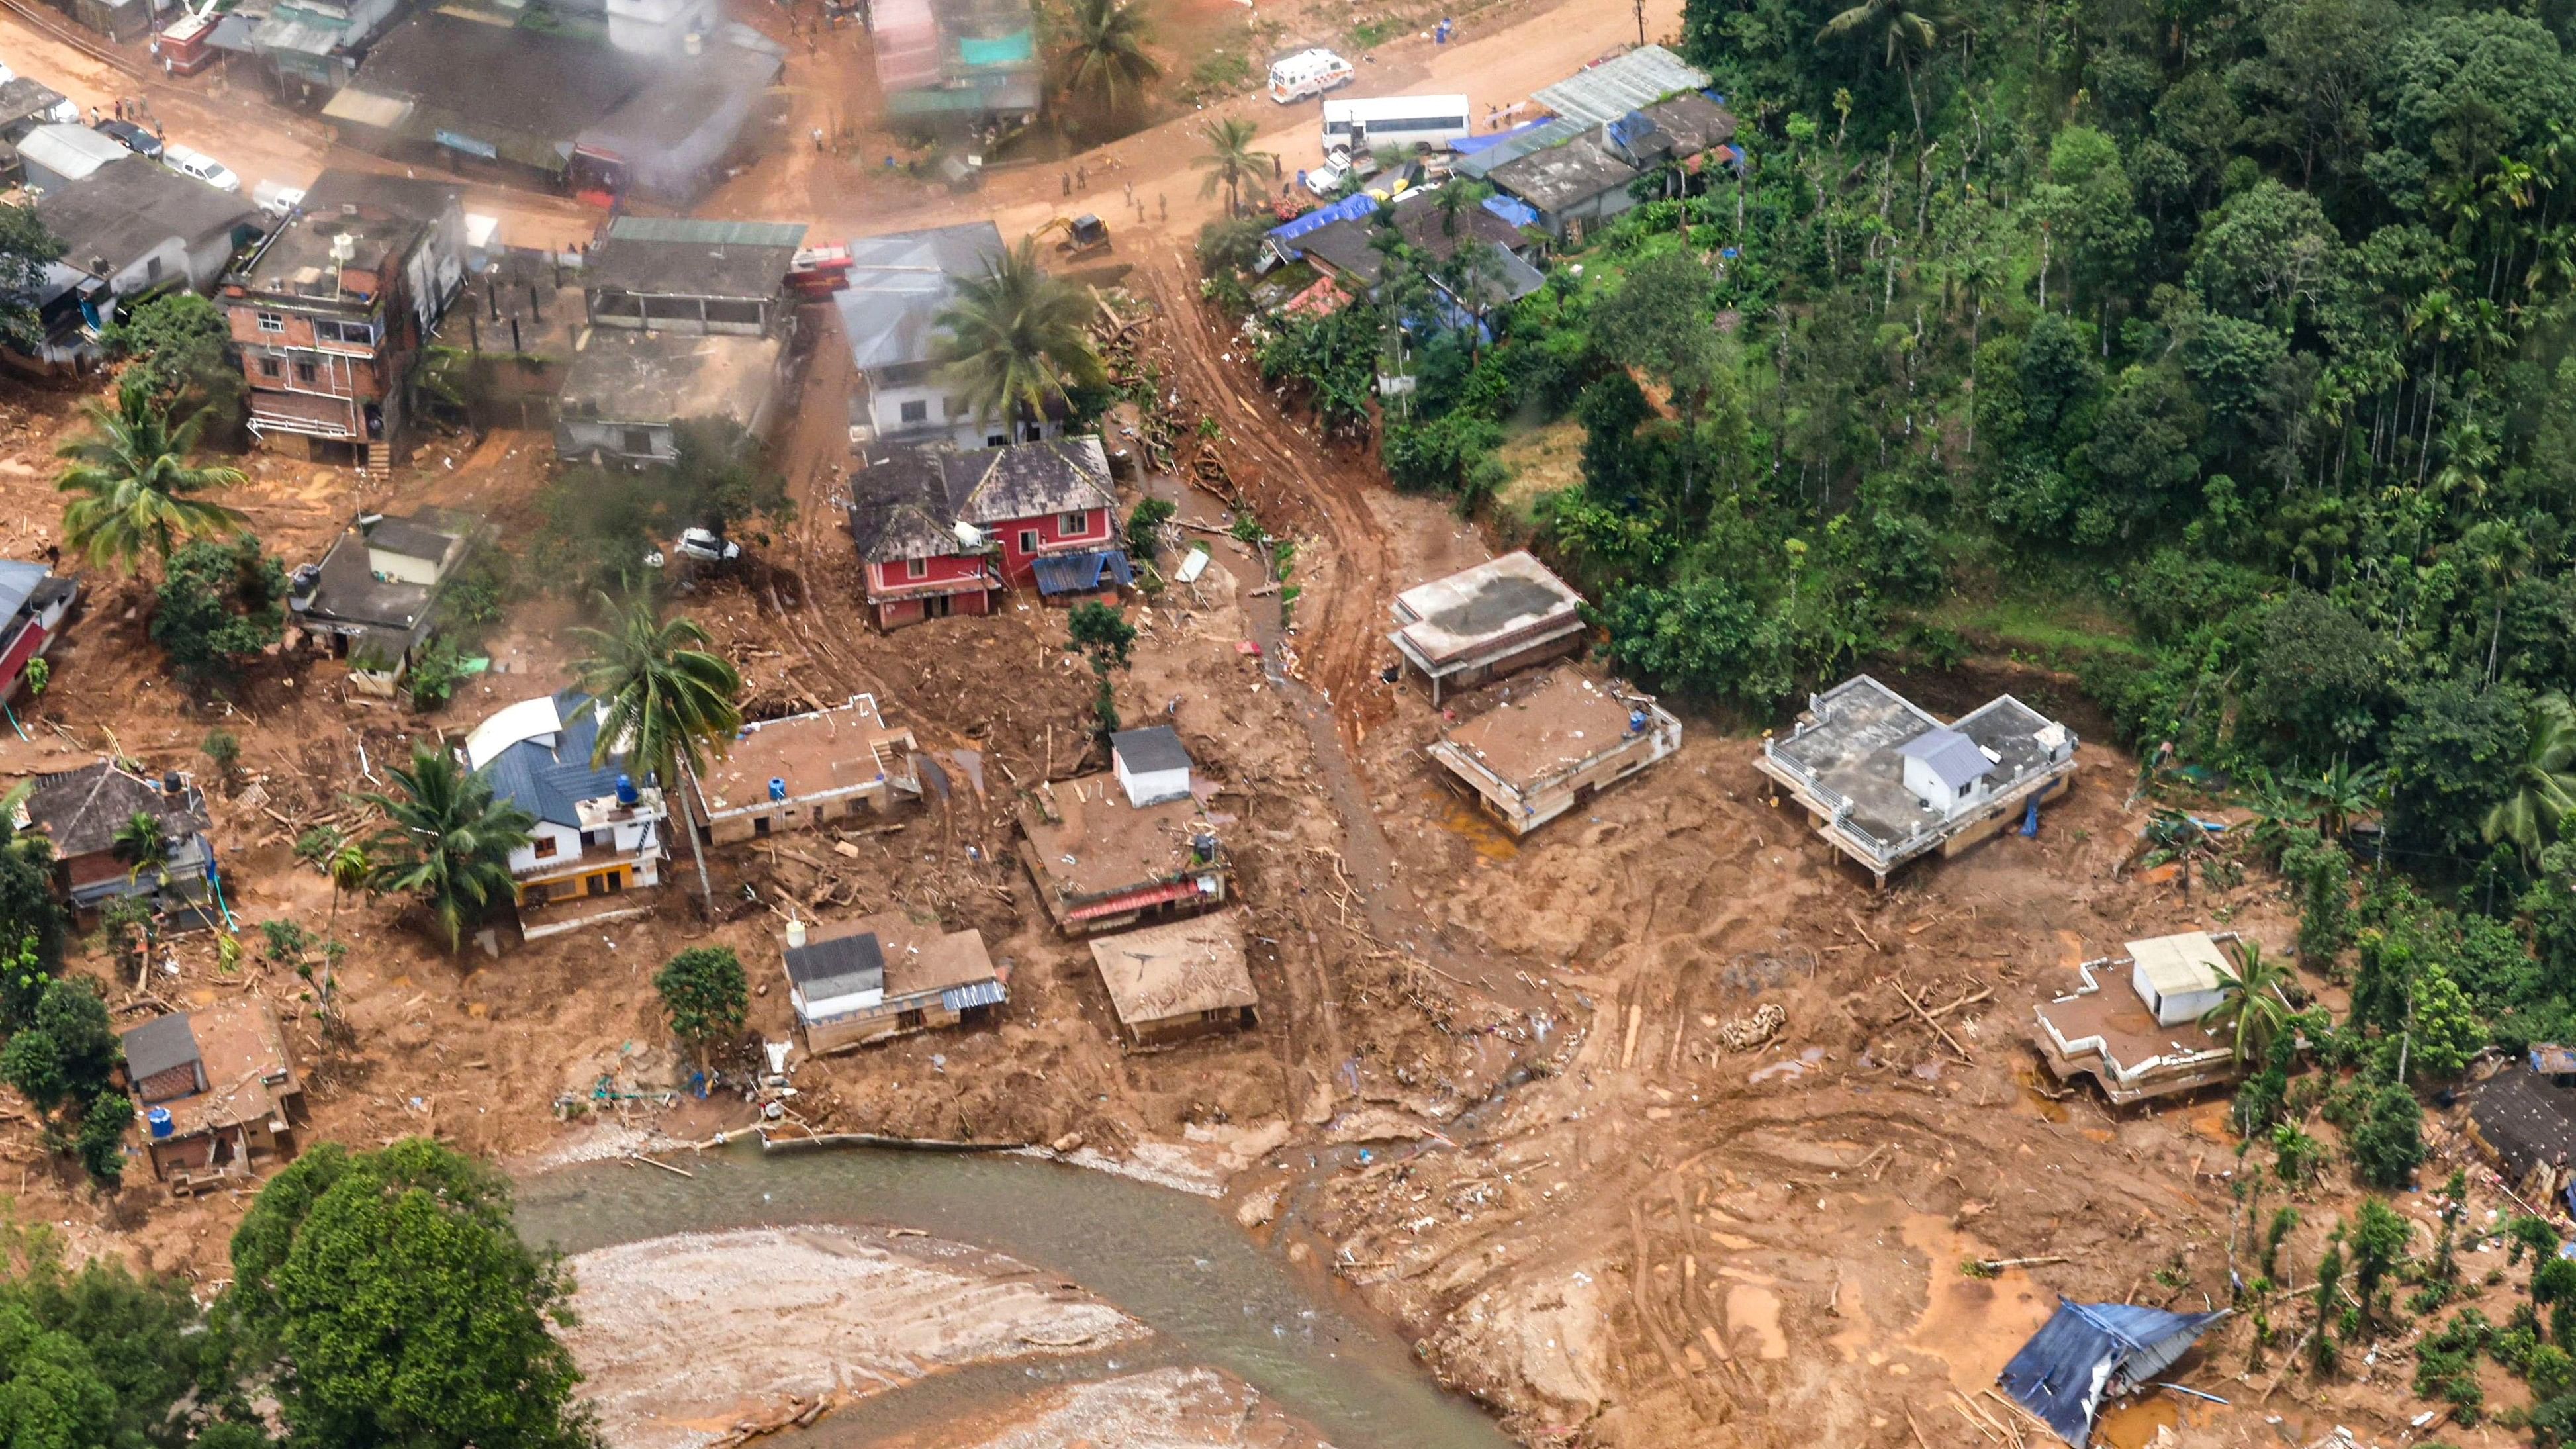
x=1175, y=1262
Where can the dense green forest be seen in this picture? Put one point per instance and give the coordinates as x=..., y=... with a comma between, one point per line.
x=2216, y=349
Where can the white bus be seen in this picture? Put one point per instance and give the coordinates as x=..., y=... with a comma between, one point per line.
x=1307, y=73
x=1400, y=122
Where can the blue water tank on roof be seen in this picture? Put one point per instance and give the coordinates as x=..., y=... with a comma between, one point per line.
x=627, y=794
x=777, y=789
x=158, y=1120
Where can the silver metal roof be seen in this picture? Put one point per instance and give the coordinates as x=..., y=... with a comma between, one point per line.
x=1605, y=92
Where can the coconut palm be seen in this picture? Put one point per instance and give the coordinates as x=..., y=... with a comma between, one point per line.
x=2543, y=782
x=661, y=700
x=1015, y=339
x=1103, y=57
x=1904, y=30
x=446, y=841
x=2253, y=1011
x=1230, y=161
x=1456, y=197
x=144, y=845
x=137, y=489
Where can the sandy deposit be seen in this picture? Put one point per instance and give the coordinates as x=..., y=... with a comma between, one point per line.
x=1169, y=1408
x=680, y=1337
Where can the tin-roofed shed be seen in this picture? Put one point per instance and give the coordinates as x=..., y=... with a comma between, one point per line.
x=1597, y=95
x=2090, y=1352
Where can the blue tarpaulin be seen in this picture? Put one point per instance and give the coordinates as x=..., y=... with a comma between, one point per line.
x=1512, y=209
x=2091, y=1351
x=1083, y=573
x=1346, y=209
x=1470, y=145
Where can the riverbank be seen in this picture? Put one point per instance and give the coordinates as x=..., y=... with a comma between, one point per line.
x=683, y=1338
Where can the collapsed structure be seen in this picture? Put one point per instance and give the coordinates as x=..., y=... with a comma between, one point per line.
x=2147, y=1042
x=943, y=532
x=1179, y=980
x=1886, y=781
x=1482, y=623
x=1111, y=849
x=34, y=601
x=2523, y=1119
x=1552, y=745
x=2089, y=1352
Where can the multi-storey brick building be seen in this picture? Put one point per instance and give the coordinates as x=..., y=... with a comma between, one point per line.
x=329, y=315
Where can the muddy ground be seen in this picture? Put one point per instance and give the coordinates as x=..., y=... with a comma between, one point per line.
x=1587, y=1211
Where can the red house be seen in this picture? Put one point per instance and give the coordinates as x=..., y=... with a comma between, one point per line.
x=943, y=533
x=33, y=601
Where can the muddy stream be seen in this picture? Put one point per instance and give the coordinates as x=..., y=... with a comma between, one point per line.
x=1175, y=1262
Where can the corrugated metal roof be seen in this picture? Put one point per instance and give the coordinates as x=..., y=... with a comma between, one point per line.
x=1612, y=89
x=2091, y=1349
x=1519, y=143
x=973, y=993
x=1081, y=573
x=709, y=233
x=1951, y=755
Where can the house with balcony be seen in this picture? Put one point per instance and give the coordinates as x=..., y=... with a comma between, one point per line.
x=599, y=829
x=330, y=313
x=131, y=229
x=2149, y=1041
x=942, y=532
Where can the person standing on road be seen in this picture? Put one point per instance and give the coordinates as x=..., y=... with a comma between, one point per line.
x=1163, y=204
x=1067, y=178
x=1082, y=177
x=818, y=138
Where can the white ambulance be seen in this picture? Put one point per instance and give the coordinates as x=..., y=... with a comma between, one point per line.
x=1308, y=73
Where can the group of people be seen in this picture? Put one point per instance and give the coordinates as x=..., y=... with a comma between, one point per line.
x=134, y=111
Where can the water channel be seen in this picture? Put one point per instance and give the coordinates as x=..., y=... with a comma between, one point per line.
x=1175, y=1262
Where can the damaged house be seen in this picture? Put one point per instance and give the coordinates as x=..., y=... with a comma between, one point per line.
x=885, y=976
x=80, y=812
x=1481, y=623
x=690, y=320
x=2147, y=1041
x=219, y=1094
x=1887, y=782
x=1127, y=845
x=943, y=532
x=804, y=771
x=373, y=597
x=598, y=832
x=1552, y=745
x=1176, y=981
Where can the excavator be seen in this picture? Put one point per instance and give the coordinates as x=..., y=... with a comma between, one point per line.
x=1083, y=235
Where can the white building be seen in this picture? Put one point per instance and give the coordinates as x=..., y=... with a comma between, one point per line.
x=599, y=829
x=1152, y=765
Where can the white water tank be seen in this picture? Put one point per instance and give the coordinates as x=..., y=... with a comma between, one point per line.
x=795, y=934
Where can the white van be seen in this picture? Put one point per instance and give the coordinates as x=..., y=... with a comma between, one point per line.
x=1308, y=73
x=200, y=165
x=1402, y=122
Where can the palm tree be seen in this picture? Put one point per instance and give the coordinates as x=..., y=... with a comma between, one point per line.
x=349, y=868
x=1016, y=339
x=1104, y=55
x=446, y=841
x=142, y=843
x=2253, y=1009
x=2544, y=781
x=662, y=701
x=1905, y=32
x=1231, y=161
x=1456, y=197
x=135, y=482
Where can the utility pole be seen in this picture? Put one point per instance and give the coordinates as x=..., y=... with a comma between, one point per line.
x=1641, y=22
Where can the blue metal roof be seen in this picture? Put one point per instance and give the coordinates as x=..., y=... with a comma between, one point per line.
x=1470, y=145
x=1346, y=209
x=1081, y=573
x=1511, y=209
x=2091, y=1350
x=551, y=783
x=1516, y=143
x=973, y=993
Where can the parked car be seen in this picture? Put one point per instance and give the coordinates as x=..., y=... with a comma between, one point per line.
x=278, y=201
x=130, y=136
x=189, y=162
